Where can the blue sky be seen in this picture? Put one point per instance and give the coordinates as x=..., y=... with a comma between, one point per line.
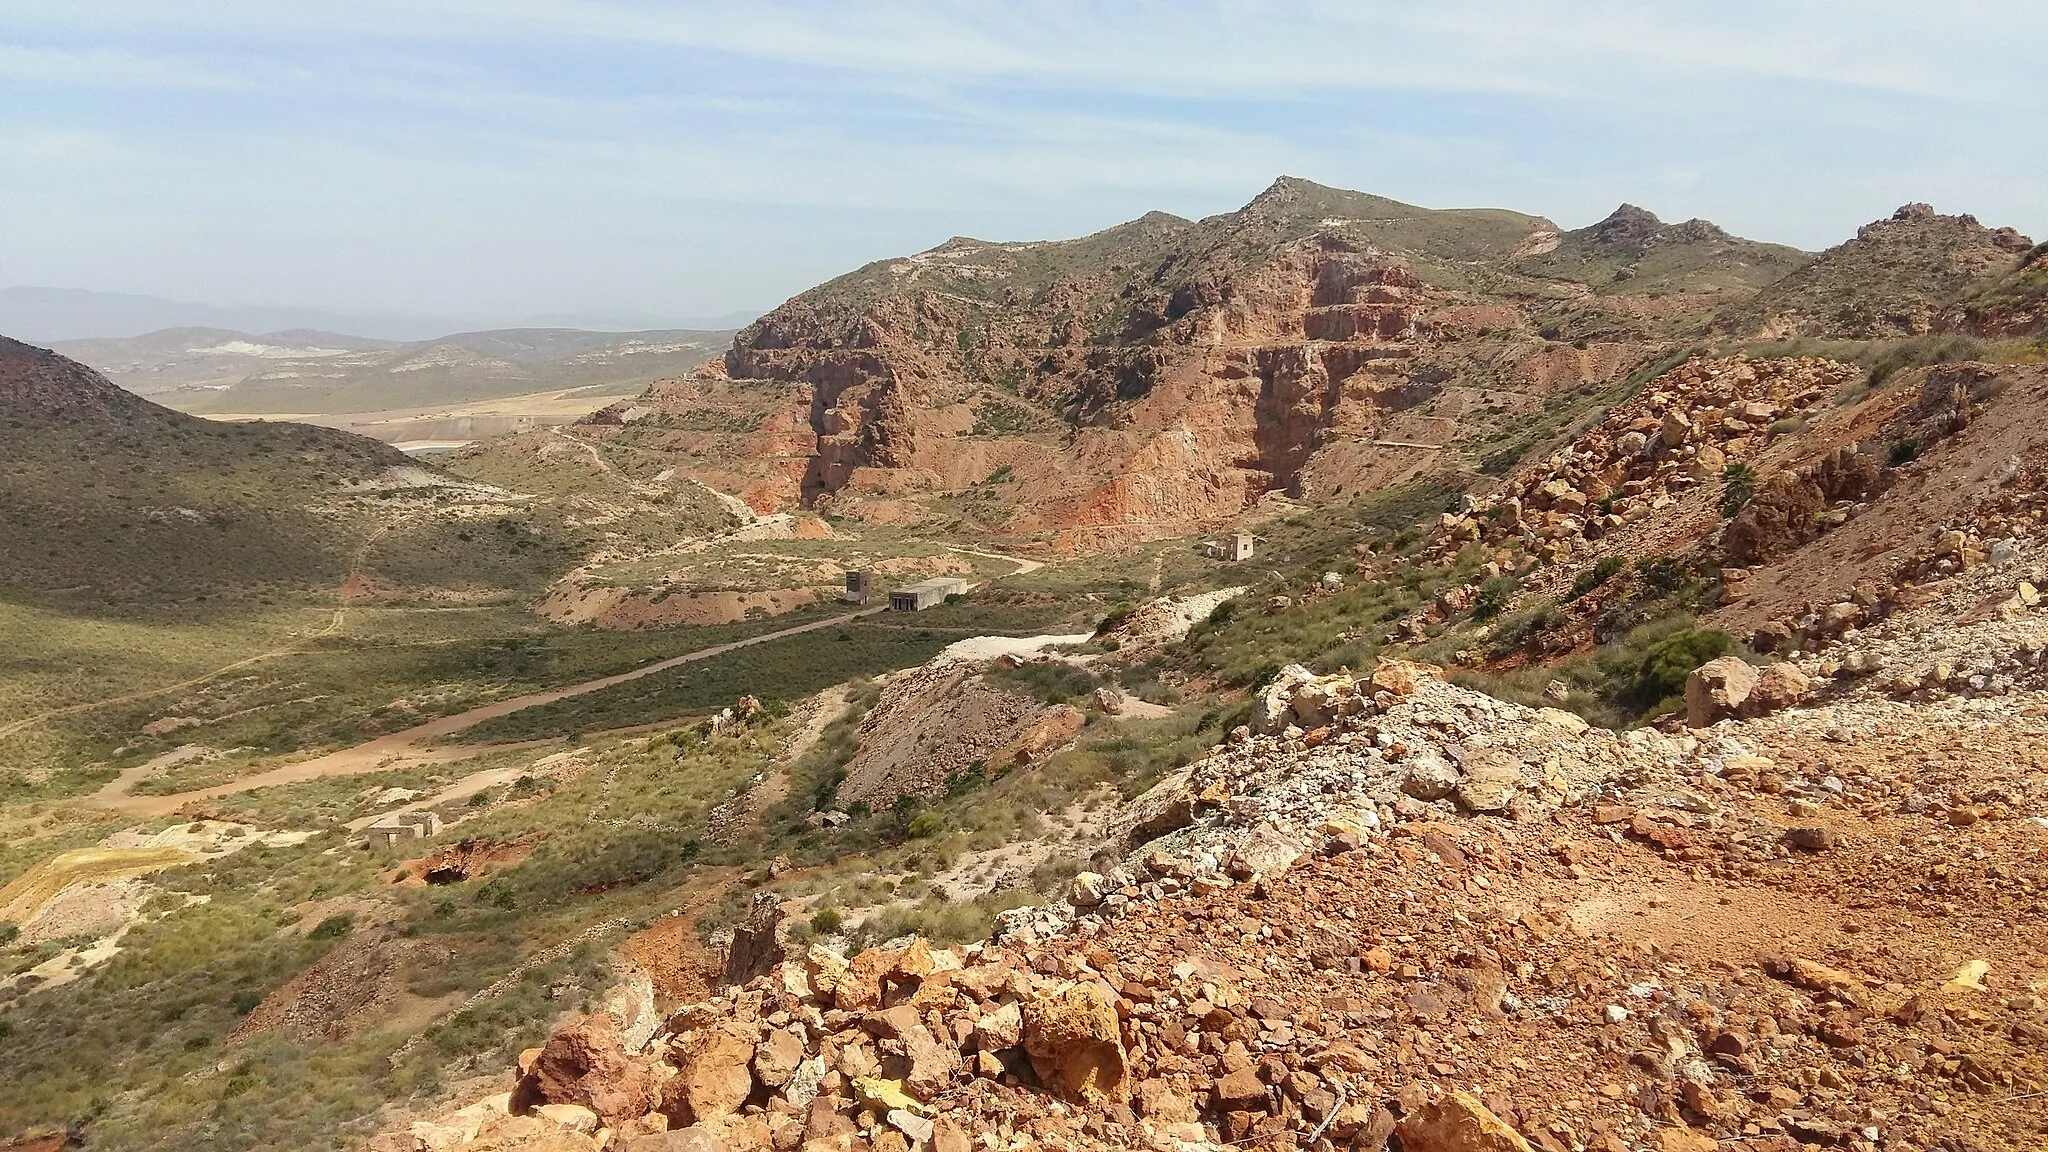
x=497, y=159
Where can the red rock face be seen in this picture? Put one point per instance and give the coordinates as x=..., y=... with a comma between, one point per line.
x=1217, y=407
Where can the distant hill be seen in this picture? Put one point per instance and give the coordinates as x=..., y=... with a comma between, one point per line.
x=46, y=315
x=1166, y=374
x=214, y=370
x=104, y=492
x=100, y=488
x=1632, y=251
x=49, y=315
x=1892, y=280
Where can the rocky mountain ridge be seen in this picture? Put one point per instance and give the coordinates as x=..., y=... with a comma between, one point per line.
x=1166, y=376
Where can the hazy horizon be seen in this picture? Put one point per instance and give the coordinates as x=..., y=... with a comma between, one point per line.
x=489, y=163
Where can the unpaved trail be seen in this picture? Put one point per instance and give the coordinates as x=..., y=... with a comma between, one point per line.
x=596, y=457
x=402, y=749
x=742, y=814
x=1023, y=565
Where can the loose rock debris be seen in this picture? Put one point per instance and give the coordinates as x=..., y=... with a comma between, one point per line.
x=1403, y=913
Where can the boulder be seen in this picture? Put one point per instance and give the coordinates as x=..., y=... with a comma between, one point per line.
x=720, y=1134
x=1075, y=1045
x=1429, y=776
x=1398, y=678
x=999, y=1029
x=1264, y=851
x=714, y=1076
x=1087, y=889
x=777, y=1057
x=1675, y=429
x=1778, y=686
x=1318, y=702
x=1457, y=1122
x=1160, y=1102
x=574, y=1117
x=585, y=1062
x=1241, y=1091
x=860, y=988
x=933, y=1063
x=1492, y=780
x=1717, y=690
x=1273, y=705
x=823, y=970
x=1167, y=806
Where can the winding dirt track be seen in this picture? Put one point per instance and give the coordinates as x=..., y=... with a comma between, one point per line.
x=402, y=749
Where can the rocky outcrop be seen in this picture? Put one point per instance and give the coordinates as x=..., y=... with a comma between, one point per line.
x=1791, y=507
x=756, y=946
x=1891, y=281
x=1163, y=375
x=1681, y=433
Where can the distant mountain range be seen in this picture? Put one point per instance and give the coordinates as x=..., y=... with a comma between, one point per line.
x=308, y=371
x=47, y=315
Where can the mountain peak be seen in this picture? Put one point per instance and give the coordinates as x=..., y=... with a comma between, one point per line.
x=1627, y=224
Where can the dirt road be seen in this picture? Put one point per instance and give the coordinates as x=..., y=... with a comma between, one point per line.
x=402, y=749
x=1022, y=564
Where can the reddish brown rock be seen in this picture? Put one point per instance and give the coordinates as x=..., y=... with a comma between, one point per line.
x=1778, y=686
x=1075, y=1045
x=1457, y=1122
x=713, y=1076
x=585, y=1063
x=1717, y=690
x=755, y=948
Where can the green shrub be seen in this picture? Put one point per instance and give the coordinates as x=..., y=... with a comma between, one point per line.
x=332, y=928
x=1922, y=351
x=926, y=825
x=1661, y=674
x=1493, y=596
x=1049, y=682
x=1738, y=488
x=1221, y=613
x=1594, y=577
x=1904, y=451
x=1662, y=574
x=827, y=921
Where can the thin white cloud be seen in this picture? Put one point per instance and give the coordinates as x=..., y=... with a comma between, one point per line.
x=535, y=154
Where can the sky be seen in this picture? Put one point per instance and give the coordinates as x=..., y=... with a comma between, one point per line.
x=623, y=162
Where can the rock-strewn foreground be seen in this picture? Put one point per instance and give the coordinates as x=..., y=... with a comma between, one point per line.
x=1393, y=910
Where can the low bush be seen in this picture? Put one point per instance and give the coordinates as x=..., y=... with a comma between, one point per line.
x=1738, y=488
x=1660, y=676
x=332, y=928
x=1594, y=577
